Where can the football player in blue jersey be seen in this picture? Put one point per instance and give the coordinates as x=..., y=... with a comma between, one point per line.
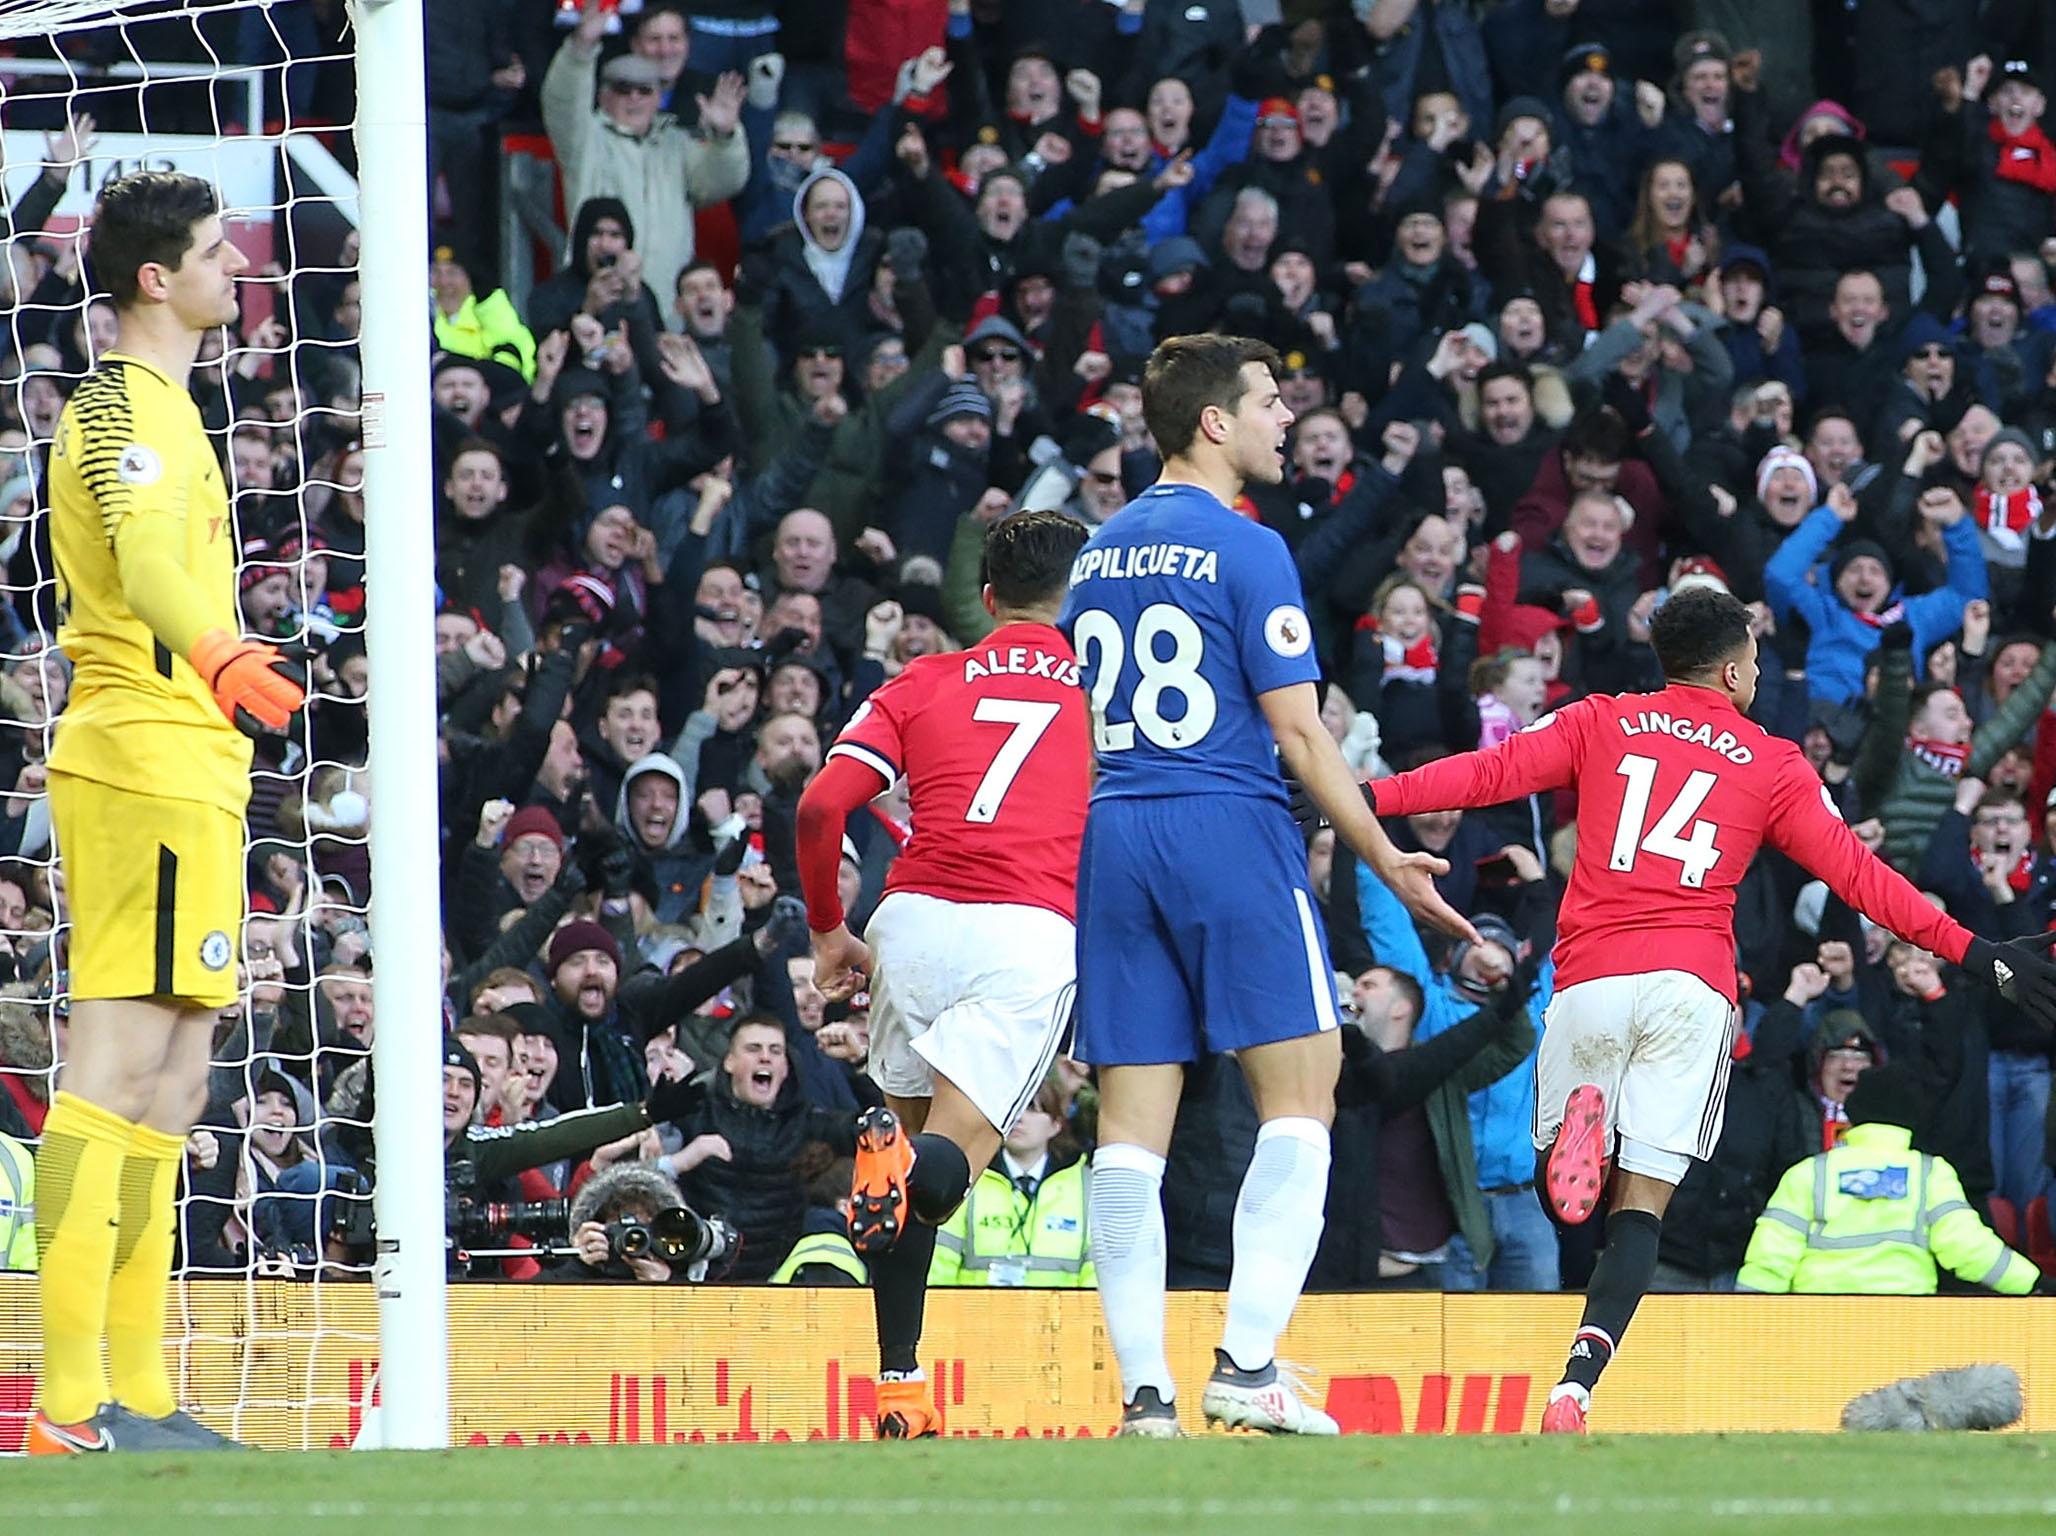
x=1198, y=930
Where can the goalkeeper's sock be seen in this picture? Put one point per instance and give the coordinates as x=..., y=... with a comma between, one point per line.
x=899, y=1295
x=1125, y=1210
x=78, y=1177
x=142, y=1274
x=1626, y=1266
x=1278, y=1219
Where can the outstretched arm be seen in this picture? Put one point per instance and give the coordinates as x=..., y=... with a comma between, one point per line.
x=1544, y=756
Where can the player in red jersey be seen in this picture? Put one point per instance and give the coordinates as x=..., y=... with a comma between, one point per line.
x=1676, y=791
x=972, y=953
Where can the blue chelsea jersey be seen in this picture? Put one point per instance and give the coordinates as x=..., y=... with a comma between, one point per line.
x=1181, y=613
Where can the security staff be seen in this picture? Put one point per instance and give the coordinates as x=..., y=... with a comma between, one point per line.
x=1874, y=1217
x=17, y=1207
x=1023, y=1223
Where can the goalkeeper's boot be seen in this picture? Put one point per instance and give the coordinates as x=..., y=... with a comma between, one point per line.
x=1149, y=1417
x=47, y=1438
x=1267, y=1400
x=878, y=1190
x=1575, y=1179
x=905, y=1410
x=115, y=1428
x=1565, y=1414
x=189, y=1432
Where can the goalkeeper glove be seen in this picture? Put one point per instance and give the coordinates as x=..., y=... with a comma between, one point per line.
x=1311, y=817
x=2019, y=971
x=258, y=686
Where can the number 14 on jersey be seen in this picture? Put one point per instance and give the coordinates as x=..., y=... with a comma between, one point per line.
x=1694, y=851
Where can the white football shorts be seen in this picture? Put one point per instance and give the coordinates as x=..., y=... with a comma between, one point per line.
x=979, y=992
x=1659, y=1046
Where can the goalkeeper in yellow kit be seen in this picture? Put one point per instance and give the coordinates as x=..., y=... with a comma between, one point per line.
x=149, y=778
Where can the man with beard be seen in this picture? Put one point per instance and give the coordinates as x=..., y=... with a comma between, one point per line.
x=1829, y=221
x=603, y=277
x=602, y=1021
x=1846, y=614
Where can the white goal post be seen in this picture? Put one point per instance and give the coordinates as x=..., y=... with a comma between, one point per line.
x=388, y=202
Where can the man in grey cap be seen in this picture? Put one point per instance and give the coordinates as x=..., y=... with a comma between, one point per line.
x=627, y=148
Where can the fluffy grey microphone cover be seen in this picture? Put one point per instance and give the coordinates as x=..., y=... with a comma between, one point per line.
x=1966, y=1397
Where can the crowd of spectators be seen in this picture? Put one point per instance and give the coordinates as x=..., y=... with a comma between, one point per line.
x=1579, y=302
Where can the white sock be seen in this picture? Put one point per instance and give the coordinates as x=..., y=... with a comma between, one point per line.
x=1278, y=1219
x=1126, y=1211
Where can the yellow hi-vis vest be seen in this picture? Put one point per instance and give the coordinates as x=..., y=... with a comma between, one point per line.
x=1000, y=1237
x=829, y=1248
x=1874, y=1218
x=17, y=1207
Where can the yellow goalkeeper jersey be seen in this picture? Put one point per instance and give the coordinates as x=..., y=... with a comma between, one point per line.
x=134, y=482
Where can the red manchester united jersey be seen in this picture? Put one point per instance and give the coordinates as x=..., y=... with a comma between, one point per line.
x=995, y=745
x=1676, y=791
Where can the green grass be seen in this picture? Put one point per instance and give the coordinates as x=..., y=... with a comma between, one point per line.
x=1618, y=1486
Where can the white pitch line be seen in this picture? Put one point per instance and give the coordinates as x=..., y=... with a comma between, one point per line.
x=1561, y=1506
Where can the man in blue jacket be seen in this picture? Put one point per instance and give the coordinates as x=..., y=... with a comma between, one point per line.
x=1848, y=604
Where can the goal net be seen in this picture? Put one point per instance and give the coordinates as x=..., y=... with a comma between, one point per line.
x=275, y=1323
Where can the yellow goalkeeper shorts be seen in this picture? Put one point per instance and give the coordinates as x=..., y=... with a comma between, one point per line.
x=154, y=889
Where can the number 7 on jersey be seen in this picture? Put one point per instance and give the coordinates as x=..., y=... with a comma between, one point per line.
x=1029, y=720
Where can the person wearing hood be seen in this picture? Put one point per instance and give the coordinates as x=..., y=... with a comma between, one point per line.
x=1847, y=613
x=1759, y=343
x=750, y=1130
x=654, y=814
x=821, y=267
x=625, y=146
x=602, y=276
x=1829, y=217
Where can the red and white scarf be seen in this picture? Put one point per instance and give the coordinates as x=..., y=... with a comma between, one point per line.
x=1406, y=663
x=1945, y=757
x=2007, y=515
x=2030, y=159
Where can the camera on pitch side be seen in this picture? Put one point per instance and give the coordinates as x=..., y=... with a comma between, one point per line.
x=678, y=1236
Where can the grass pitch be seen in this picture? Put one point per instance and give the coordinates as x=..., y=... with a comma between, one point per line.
x=1765, y=1485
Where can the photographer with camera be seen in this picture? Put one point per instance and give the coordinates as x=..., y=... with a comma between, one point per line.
x=483, y=1208
x=630, y=1222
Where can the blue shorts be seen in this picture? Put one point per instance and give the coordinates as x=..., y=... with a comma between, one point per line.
x=1197, y=931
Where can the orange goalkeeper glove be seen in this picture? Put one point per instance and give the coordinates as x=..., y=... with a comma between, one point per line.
x=258, y=686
